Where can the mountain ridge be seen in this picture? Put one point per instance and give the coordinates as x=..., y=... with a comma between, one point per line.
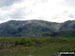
x=36, y=28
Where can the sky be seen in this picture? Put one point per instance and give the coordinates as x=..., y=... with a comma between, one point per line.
x=49, y=10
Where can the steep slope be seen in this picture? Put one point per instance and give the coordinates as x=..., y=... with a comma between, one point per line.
x=68, y=25
x=66, y=30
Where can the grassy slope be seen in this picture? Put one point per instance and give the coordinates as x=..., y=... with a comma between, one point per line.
x=37, y=46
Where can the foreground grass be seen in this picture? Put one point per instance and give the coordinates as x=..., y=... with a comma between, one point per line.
x=37, y=46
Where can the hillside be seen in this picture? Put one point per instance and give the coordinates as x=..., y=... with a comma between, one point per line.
x=36, y=46
x=67, y=29
x=36, y=28
x=27, y=28
x=36, y=38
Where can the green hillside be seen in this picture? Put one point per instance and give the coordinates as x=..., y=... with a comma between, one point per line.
x=36, y=46
x=37, y=28
x=68, y=25
x=36, y=38
x=27, y=28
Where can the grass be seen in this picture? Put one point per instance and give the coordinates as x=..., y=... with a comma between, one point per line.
x=37, y=46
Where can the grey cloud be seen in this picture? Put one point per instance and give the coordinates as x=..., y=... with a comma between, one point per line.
x=3, y=18
x=72, y=16
x=43, y=1
x=56, y=17
x=69, y=14
x=17, y=14
x=37, y=1
x=20, y=13
x=4, y=3
x=70, y=3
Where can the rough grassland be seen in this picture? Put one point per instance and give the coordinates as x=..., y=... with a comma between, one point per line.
x=36, y=46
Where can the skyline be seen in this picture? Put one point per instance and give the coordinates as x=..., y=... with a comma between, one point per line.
x=49, y=10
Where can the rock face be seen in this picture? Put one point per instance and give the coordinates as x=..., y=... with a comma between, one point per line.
x=36, y=28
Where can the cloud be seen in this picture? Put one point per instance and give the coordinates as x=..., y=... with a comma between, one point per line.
x=49, y=10
x=4, y=3
x=17, y=14
x=69, y=14
x=44, y=1
x=70, y=3
x=3, y=18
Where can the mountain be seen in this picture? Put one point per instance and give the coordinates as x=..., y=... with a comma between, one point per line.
x=68, y=25
x=27, y=28
x=67, y=29
x=37, y=28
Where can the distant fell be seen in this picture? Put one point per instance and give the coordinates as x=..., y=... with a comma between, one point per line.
x=37, y=28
